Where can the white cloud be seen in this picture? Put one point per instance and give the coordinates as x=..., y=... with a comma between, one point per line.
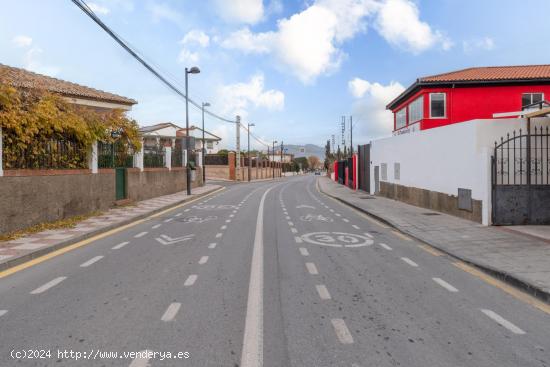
x=187, y=57
x=398, y=22
x=370, y=108
x=248, y=42
x=484, y=43
x=240, y=11
x=192, y=39
x=238, y=98
x=31, y=61
x=22, y=41
x=98, y=9
x=160, y=12
x=197, y=37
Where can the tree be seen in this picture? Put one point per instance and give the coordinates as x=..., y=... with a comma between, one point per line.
x=302, y=162
x=314, y=162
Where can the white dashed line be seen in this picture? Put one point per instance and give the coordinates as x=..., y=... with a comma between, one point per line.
x=212, y=245
x=203, y=260
x=139, y=235
x=142, y=360
x=168, y=220
x=287, y=217
x=385, y=247
x=171, y=312
x=120, y=245
x=445, y=285
x=338, y=214
x=156, y=226
x=345, y=220
x=355, y=226
x=3, y=312
x=503, y=322
x=231, y=215
x=342, y=331
x=228, y=221
x=298, y=239
x=91, y=261
x=293, y=230
x=223, y=227
x=332, y=210
x=290, y=224
x=50, y=284
x=179, y=214
x=323, y=292
x=409, y=261
x=368, y=234
x=190, y=280
x=304, y=251
x=186, y=210
x=218, y=235
x=311, y=268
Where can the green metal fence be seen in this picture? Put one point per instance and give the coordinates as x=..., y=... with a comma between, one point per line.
x=49, y=154
x=114, y=155
x=154, y=157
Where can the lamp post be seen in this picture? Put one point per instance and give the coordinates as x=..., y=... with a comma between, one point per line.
x=273, y=160
x=204, y=104
x=282, y=149
x=193, y=70
x=248, y=130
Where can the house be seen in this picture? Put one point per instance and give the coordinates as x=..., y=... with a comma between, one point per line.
x=211, y=141
x=170, y=134
x=278, y=157
x=469, y=94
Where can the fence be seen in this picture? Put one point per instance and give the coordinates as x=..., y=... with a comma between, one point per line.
x=50, y=154
x=215, y=159
x=177, y=156
x=154, y=157
x=111, y=155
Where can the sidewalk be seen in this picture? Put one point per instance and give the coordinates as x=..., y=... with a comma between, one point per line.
x=25, y=248
x=521, y=260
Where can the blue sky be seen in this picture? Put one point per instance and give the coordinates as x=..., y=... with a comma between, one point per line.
x=291, y=67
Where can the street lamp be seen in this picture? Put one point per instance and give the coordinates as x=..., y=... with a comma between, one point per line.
x=204, y=104
x=273, y=155
x=248, y=130
x=193, y=70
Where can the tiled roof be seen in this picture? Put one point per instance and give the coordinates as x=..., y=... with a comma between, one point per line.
x=21, y=78
x=493, y=73
x=159, y=126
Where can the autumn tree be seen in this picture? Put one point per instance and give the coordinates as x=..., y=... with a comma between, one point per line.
x=314, y=162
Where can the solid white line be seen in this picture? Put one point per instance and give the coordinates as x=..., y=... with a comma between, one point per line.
x=355, y=226
x=168, y=220
x=223, y=227
x=120, y=245
x=91, y=261
x=298, y=239
x=3, y=312
x=218, y=235
x=445, y=285
x=311, y=268
x=212, y=245
x=304, y=251
x=142, y=360
x=323, y=291
x=345, y=220
x=293, y=230
x=203, y=260
x=51, y=283
x=156, y=226
x=342, y=331
x=171, y=312
x=190, y=280
x=409, y=261
x=384, y=246
x=253, y=347
x=503, y=322
x=140, y=234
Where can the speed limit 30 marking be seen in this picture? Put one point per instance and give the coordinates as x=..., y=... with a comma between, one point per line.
x=337, y=239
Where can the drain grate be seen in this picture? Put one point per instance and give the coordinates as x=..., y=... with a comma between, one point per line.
x=431, y=214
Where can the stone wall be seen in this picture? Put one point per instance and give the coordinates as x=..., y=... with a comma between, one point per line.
x=153, y=182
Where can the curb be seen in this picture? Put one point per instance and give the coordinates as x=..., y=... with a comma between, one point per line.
x=35, y=254
x=499, y=274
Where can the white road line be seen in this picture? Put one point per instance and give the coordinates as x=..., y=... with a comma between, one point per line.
x=311, y=268
x=385, y=247
x=168, y=220
x=223, y=227
x=218, y=235
x=253, y=347
x=186, y=210
x=234, y=212
x=345, y=220
x=212, y=245
x=293, y=230
x=409, y=261
x=171, y=312
x=120, y=245
x=445, y=285
x=287, y=217
x=203, y=260
x=338, y=214
x=503, y=322
x=3, y=312
x=323, y=291
x=91, y=261
x=190, y=280
x=231, y=215
x=368, y=234
x=228, y=221
x=290, y=224
x=156, y=226
x=342, y=331
x=179, y=214
x=141, y=234
x=332, y=210
x=50, y=284
x=298, y=239
x=304, y=251
x=142, y=360
x=355, y=226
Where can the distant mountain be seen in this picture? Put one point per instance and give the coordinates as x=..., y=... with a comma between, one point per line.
x=306, y=150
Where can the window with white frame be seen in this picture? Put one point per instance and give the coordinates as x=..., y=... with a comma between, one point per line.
x=416, y=110
x=530, y=98
x=438, y=105
x=401, y=118
x=209, y=145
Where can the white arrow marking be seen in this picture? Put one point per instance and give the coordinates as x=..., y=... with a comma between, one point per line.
x=165, y=240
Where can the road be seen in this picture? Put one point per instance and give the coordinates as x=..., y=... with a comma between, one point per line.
x=264, y=274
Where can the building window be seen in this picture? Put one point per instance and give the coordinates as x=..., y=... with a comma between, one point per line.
x=530, y=98
x=416, y=110
x=209, y=145
x=401, y=118
x=437, y=105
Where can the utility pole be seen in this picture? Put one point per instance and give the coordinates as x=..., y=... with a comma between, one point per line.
x=273, y=159
x=282, y=149
x=238, y=148
x=193, y=70
x=248, y=130
x=204, y=104
x=351, y=134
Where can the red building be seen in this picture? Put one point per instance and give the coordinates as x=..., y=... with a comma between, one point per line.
x=463, y=95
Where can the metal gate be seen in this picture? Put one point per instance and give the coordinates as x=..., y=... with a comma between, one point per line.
x=520, y=178
x=363, y=171
x=120, y=183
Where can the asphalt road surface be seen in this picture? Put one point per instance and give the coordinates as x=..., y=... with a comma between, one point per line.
x=263, y=274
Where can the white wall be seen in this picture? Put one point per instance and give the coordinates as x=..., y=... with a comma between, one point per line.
x=446, y=158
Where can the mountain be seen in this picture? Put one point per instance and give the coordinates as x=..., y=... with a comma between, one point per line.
x=306, y=150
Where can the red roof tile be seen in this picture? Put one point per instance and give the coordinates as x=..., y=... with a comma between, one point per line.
x=522, y=72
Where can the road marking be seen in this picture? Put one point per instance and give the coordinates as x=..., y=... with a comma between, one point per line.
x=168, y=220
x=234, y=212
x=186, y=210
x=445, y=285
x=171, y=312
x=430, y=250
x=120, y=245
x=190, y=280
x=290, y=224
x=298, y=239
x=253, y=348
x=312, y=269
x=342, y=331
x=384, y=246
x=368, y=235
x=91, y=261
x=293, y=230
x=156, y=226
x=223, y=227
x=304, y=251
x=228, y=221
x=218, y=235
x=323, y=291
x=142, y=360
x=212, y=245
x=345, y=220
x=179, y=214
x=402, y=236
x=203, y=260
x=504, y=287
x=287, y=217
x=503, y=322
x=355, y=226
x=338, y=214
x=409, y=261
x=50, y=284
x=3, y=312
x=231, y=215
x=332, y=210
x=141, y=234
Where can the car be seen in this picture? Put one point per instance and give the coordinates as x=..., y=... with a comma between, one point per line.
x=317, y=173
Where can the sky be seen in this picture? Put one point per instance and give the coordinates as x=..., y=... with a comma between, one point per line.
x=293, y=68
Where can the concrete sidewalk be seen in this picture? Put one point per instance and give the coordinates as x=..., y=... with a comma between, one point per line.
x=25, y=248
x=521, y=260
